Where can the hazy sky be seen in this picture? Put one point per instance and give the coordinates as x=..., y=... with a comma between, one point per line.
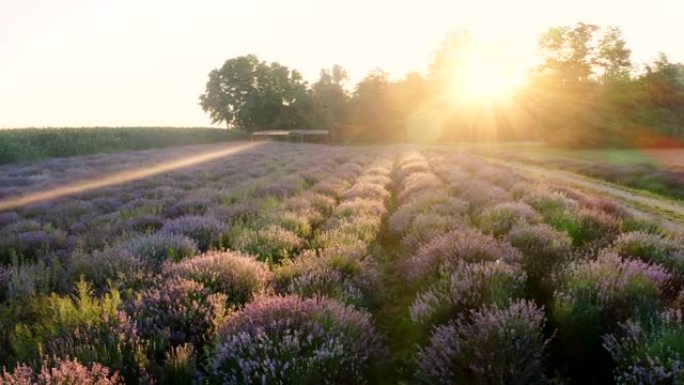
x=144, y=62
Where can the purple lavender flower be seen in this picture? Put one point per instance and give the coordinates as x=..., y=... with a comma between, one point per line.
x=501, y=218
x=494, y=346
x=237, y=275
x=207, y=232
x=62, y=372
x=160, y=247
x=188, y=207
x=649, y=352
x=652, y=248
x=459, y=245
x=290, y=340
x=178, y=311
x=593, y=297
x=7, y=218
x=468, y=287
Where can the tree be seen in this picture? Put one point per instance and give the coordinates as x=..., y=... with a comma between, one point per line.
x=582, y=90
x=331, y=100
x=613, y=55
x=250, y=94
x=568, y=53
x=373, y=117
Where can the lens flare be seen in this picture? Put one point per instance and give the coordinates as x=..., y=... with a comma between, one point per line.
x=120, y=177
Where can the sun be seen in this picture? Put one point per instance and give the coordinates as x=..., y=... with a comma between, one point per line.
x=486, y=78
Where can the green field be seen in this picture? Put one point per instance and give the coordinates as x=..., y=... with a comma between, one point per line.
x=20, y=145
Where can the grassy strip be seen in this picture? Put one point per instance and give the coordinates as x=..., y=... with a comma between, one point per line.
x=20, y=145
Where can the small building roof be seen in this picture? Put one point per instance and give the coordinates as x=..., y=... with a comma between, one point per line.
x=290, y=132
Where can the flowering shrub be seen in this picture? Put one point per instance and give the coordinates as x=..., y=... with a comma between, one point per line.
x=426, y=227
x=367, y=190
x=649, y=352
x=500, y=219
x=468, y=287
x=543, y=251
x=239, y=276
x=479, y=194
x=207, y=232
x=24, y=280
x=8, y=218
x=437, y=204
x=343, y=273
x=272, y=244
x=417, y=184
x=593, y=297
x=288, y=340
x=652, y=248
x=63, y=372
x=467, y=245
x=143, y=224
x=360, y=207
x=159, y=247
x=593, y=225
x=188, y=207
x=364, y=228
x=495, y=346
x=66, y=317
x=26, y=239
x=177, y=311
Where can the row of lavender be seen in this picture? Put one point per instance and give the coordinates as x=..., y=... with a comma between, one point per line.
x=518, y=281
x=151, y=310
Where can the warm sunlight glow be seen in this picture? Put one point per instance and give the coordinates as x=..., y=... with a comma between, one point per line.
x=487, y=80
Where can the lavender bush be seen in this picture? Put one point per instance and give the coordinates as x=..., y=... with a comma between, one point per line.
x=342, y=272
x=500, y=219
x=649, y=352
x=272, y=244
x=207, y=232
x=237, y=275
x=63, y=372
x=459, y=245
x=468, y=287
x=593, y=297
x=159, y=247
x=653, y=248
x=288, y=340
x=177, y=311
x=496, y=346
x=544, y=251
x=436, y=204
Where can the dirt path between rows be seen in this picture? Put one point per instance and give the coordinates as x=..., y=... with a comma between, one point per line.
x=668, y=214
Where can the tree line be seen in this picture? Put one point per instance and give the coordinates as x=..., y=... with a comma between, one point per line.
x=585, y=92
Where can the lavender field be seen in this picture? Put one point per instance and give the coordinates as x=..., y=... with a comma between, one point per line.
x=279, y=263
